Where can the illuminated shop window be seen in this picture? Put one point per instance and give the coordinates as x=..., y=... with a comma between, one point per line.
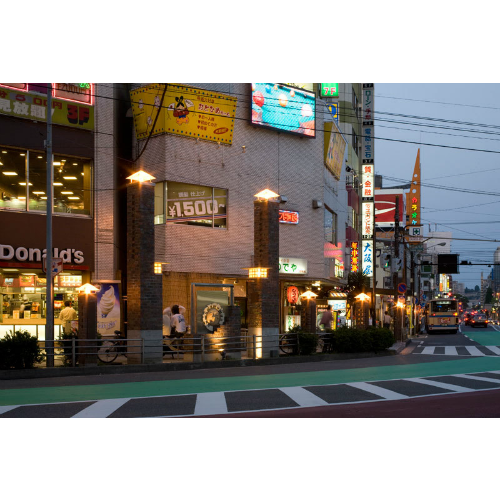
x=23, y=182
x=13, y=192
x=190, y=204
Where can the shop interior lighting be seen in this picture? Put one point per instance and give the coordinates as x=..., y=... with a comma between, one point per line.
x=38, y=192
x=257, y=272
x=1, y=163
x=43, y=197
x=66, y=192
x=39, y=157
x=9, y=173
x=70, y=178
x=22, y=154
x=10, y=270
x=24, y=184
x=58, y=183
x=57, y=163
x=4, y=152
x=73, y=197
x=75, y=163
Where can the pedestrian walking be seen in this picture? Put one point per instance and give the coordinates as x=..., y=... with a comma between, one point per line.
x=177, y=322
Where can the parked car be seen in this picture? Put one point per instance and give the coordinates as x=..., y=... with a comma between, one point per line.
x=479, y=320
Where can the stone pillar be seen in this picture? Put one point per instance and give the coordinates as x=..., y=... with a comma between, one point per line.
x=308, y=321
x=144, y=288
x=87, y=329
x=264, y=293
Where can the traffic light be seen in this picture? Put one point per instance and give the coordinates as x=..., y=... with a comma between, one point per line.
x=385, y=261
x=398, y=264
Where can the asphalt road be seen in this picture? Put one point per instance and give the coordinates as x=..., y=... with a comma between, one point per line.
x=436, y=375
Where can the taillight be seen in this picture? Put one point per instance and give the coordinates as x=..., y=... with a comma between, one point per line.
x=433, y=314
x=455, y=314
x=473, y=321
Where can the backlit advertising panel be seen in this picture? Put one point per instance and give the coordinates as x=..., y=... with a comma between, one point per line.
x=367, y=219
x=282, y=107
x=367, y=257
x=385, y=208
x=288, y=217
x=329, y=90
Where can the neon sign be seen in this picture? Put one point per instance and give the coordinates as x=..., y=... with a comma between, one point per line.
x=79, y=92
x=367, y=179
x=288, y=217
x=354, y=257
x=368, y=257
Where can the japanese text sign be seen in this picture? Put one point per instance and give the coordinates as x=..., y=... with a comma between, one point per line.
x=367, y=179
x=368, y=142
x=354, y=256
x=291, y=265
x=329, y=90
x=367, y=219
x=288, y=217
x=367, y=257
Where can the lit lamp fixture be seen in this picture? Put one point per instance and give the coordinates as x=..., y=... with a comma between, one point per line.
x=267, y=194
x=158, y=267
x=141, y=176
x=362, y=297
x=257, y=272
x=88, y=288
x=400, y=305
x=309, y=295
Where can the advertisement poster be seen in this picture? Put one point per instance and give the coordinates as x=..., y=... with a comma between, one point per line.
x=211, y=310
x=108, y=307
x=336, y=151
x=185, y=111
x=34, y=107
x=281, y=107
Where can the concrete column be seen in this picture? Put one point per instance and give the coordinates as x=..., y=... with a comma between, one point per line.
x=144, y=288
x=309, y=319
x=264, y=293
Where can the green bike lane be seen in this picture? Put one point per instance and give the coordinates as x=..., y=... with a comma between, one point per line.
x=490, y=336
x=94, y=392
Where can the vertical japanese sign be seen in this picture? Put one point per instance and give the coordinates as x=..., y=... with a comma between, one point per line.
x=354, y=257
x=367, y=257
x=368, y=178
x=413, y=204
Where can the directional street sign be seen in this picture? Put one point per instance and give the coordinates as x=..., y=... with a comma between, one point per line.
x=57, y=266
x=401, y=288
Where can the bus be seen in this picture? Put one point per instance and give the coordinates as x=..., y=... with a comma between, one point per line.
x=442, y=315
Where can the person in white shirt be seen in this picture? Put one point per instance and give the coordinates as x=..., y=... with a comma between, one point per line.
x=67, y=315
x=177, y=322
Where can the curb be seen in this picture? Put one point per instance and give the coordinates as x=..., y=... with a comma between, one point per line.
x=166, y=367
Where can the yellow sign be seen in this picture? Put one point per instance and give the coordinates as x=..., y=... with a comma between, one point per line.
x=185, y=111
x=334, y=154
x=33, y=106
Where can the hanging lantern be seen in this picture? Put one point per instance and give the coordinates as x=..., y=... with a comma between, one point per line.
x=292, y=294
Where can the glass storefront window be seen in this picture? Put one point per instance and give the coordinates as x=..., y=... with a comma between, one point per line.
x=13, y=179
x=23, y=182
x=190, y=204
x=72, y=185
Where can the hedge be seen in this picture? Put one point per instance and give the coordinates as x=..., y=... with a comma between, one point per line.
x=19, y=350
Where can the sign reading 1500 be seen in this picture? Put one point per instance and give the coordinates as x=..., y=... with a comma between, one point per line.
x=190, y=208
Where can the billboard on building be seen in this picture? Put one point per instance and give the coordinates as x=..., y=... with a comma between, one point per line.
x=385, y=208
x=280, y=106
x=334, y=158
x=185, y=111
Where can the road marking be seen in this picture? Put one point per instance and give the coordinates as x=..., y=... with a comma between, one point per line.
x=441, y=385
x=493, y=348
x=475, y=377
x=450, y=351
x=303, y=397
x=428, y=350
x=210, y=403
x=379, y=391
x=474, y=350
x=101, y=409
x=5, y=409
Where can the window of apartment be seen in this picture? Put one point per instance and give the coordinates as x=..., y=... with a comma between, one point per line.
x=355, y=103
x=330, y=226
x=355, y=142
x=190, y=204
x=23, y=182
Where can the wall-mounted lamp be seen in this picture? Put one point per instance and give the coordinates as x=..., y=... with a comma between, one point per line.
x=141, y=176
x=362, y=297
x=309, y=295
x=267, y=194
x=88, y=288
x=257, y=272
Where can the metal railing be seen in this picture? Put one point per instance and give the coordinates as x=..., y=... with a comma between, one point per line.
x=109, y=350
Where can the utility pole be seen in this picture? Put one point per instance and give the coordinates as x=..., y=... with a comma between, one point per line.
x=49, y=298
x=397, y=322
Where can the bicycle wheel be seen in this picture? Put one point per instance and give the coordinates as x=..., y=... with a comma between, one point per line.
x=107, y=352
x=287, y=344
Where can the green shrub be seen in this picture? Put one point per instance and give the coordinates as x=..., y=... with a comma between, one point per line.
x=307, y=342
x=19, y=350
x=381, y=338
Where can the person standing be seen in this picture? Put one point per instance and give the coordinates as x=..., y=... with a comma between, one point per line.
x=67, y=315
x=167, y=316
x=327, y=318
x=387, y=320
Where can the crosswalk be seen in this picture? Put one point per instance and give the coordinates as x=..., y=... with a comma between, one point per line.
x=462, y=350
x=253, y=400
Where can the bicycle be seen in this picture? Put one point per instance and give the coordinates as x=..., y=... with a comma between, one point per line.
x=111, y=348
x=172, y=345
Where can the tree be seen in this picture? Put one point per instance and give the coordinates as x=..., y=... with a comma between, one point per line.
x=489, y=296
x=476, y=288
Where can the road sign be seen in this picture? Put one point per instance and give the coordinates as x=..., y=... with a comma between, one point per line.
x=401, y=288
x=57, y=266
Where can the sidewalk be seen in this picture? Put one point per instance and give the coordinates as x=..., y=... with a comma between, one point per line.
x=60, y=371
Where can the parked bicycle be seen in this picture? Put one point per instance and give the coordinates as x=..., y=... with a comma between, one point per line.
x=113, y=347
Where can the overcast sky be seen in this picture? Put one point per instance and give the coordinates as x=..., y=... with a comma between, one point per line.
x=447, y=167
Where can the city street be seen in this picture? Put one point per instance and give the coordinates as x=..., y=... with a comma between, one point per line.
x=446, y=375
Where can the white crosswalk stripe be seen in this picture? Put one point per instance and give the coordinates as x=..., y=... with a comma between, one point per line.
x=450, y=350
x=482, y=379
x=453, y=351
x=379, y=391
x=210, y=403
x=494, y=349
x=302, y=396
x=5, y=409
x=474, y=350
x=101, y=409
x=428, y=350
x=441, y=385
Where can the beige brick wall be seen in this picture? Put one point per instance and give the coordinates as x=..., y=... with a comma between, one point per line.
x=290, y=165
